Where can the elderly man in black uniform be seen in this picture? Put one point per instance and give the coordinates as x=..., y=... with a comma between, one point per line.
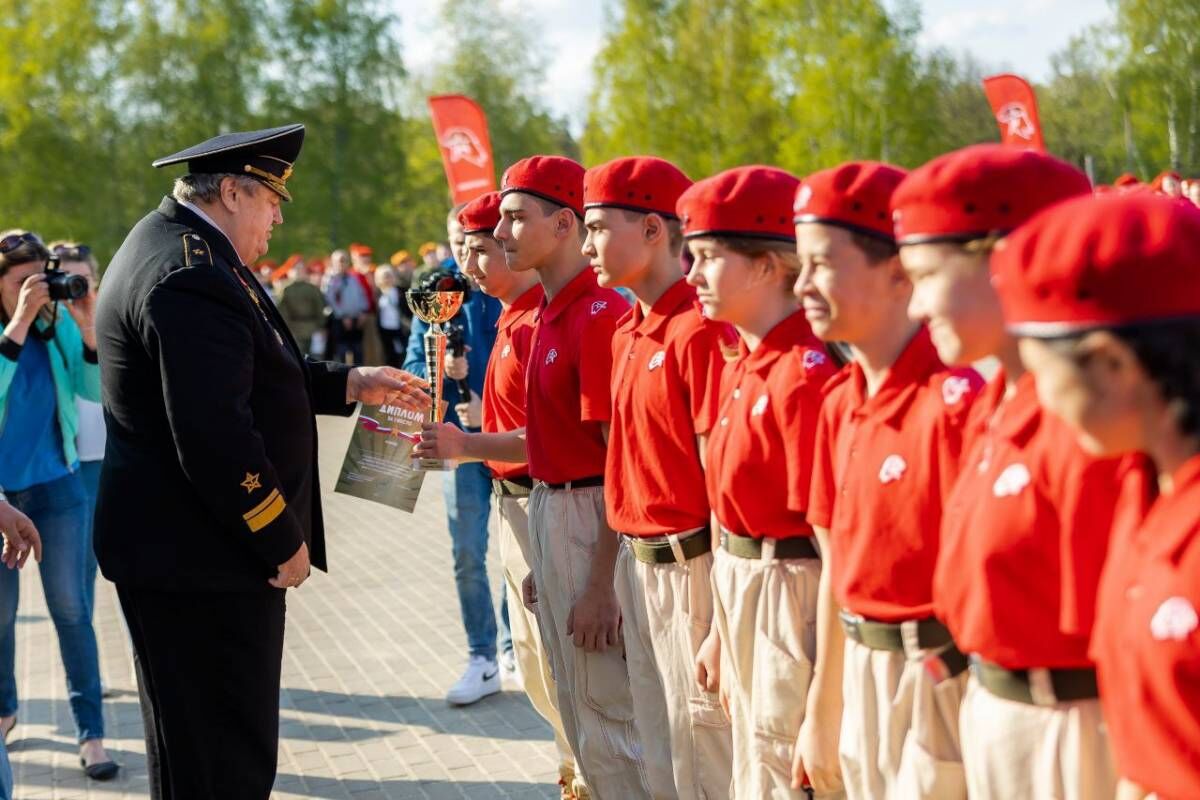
x=209, y=505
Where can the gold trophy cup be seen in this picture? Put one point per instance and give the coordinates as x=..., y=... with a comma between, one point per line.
x=436, y=300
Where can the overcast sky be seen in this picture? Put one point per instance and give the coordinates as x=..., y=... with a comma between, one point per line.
x=1020, y=35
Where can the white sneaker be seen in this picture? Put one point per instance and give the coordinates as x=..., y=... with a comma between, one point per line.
x=481, y=678
x=508, y=668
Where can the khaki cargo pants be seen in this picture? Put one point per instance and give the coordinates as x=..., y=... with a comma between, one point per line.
x=899, y=728
x=532, y=661
x=666, y=611
x=593, y=688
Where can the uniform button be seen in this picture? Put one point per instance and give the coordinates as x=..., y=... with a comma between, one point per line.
x=737, y=394
x=724, y=421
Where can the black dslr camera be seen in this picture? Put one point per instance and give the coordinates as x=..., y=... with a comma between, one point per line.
x=64, y=285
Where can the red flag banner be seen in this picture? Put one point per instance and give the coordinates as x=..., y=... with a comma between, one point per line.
x=462, y=134
x=1015, y=106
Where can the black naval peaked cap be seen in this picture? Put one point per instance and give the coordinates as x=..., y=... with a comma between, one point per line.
x=266, y=155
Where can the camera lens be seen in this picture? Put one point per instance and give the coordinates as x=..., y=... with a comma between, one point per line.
x=64, y=286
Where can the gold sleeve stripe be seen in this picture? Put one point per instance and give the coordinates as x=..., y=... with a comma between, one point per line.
x=258, y=508
x=267, y=515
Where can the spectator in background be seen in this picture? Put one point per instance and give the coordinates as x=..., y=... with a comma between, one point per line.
x=302, y=307
x=429, y=260
x=1193, y=191
x=48, y=353
x=404, y=265
x=364, y=267
x=348, y=306
x=77, y=259
x=1169, y=183
x=395, y=317
x=263, y=271
x=447, y=255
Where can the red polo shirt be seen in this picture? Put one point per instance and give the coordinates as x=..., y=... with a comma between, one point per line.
x=1024, y=535
x=1147, y=644
x=882, y=466
x=504, y=382
x=666, y=382
x=567, y=385
x=760, y=450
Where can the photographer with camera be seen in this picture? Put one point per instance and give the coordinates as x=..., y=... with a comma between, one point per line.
x=47, y=359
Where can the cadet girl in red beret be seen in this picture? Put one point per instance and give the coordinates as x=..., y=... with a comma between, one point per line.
x=887, y=453
x=738, y=227
x=1024, y=530
x=1104, y=295
x=667, y=365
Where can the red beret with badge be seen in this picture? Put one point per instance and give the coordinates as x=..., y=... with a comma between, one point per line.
x=856, y=196
x=1100, y=262
x=642, y=183
x=980, y=191
x=554, y=178
x=481, y=215
x=745, y=202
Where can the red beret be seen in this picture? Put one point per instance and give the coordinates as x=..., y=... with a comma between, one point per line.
x=357, y=249
x=1100, y=262
x=553, y=178
x=481, y=215
x=752, y=202
x=644, y=183
x=1126, y=179
x=856, y=195
x=979, y=191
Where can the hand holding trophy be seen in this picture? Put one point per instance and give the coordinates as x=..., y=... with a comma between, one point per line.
x=436, y=299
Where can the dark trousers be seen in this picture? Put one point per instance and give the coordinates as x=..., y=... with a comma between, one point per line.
x=208, y=678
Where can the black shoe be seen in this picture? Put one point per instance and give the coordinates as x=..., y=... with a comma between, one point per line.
x=104, y=771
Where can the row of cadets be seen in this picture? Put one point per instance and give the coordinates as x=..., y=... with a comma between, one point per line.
x=888, y=447
x=568, y=406
x=503, y=411
x=1104, y=297
x=667, y=364
x=738, y=228
x=1025, y=529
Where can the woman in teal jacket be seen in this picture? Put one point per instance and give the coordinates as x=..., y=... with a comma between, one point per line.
x=47, y=358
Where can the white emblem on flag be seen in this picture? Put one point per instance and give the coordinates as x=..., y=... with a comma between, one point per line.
x=1174, y=620
x=505, y=352
x=803, y=197
x=599, y=306
x=657, y=360
x=813, y=358
x=461, y=144
x=954, y=389
x=551, y=356
x=760, y=407
x=1016, y=117
x=1012, y=480
x=893, y=468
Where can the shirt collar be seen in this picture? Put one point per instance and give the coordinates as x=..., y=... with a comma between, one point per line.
x=528, y=301
x=917, y=362
x=195, y=209
x=1019, y=414
x=647, y=323
x=552, y=309
x=789, y=332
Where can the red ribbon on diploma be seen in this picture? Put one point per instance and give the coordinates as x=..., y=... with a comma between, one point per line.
x=1015, y=106
x=462, y=134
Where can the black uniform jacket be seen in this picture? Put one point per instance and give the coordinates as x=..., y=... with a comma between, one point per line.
x=210, y=471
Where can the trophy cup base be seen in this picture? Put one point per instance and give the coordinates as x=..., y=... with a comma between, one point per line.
x=434, y=464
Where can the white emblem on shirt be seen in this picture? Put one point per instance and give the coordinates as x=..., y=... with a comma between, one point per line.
x=599, y=306
x=760, y=407
x=1012, y=480
x=1174, y=620
x=954, y=389
x=551, y=356
x=657, y=360
x=505, y=352
x=813, y=358
x=893, y=468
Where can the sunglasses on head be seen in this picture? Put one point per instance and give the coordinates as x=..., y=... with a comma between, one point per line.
x=78, y=253
x=15, y=240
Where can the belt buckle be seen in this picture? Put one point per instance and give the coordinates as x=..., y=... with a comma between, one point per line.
x=935, y=668
x=1041, y=687
x=852, y=622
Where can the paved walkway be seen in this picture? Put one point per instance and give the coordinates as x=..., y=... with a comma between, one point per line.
x=370, y=651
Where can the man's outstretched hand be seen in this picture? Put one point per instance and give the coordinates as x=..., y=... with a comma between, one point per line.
x=377, y=385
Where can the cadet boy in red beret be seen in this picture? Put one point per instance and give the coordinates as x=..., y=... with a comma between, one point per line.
x=503, y=410
x=738, y=227
x=887, y=452
x=1103, y=295
x=667, y=366
x=1025, y=528
x=568, y=408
